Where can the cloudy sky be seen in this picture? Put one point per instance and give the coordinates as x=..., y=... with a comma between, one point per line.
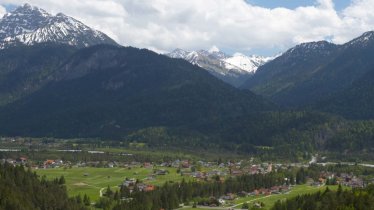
x=262, y=27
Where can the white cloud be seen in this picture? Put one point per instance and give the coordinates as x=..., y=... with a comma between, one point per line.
x=231, y=25
x=356, y=18
x=2, y=11
x=214, y=49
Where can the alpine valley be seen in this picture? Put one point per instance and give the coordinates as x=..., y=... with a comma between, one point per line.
x=60, y=78
x=86, y=123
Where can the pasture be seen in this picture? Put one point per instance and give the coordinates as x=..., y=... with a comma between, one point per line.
x=90, y=181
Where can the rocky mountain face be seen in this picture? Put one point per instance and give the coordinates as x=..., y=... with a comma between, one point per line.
x=29, y=25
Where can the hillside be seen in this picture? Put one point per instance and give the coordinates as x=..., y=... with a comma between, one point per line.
x=137, y=95
x=355, y=102
x=109, y=91
x=23, y=70
x=314, y=71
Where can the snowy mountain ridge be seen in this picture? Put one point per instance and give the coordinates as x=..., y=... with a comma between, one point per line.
x=247, y=63
x=362, y=41
x=233, y=69
x=238, y=61
x=29, y=25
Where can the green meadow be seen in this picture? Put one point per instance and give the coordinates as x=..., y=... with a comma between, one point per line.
x=91, y=180
x=270, y=200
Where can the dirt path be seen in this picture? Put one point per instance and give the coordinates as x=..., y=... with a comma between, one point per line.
x=101, y=192
x=102, y=189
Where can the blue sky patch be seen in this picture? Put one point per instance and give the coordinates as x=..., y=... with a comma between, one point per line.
x=292, y=4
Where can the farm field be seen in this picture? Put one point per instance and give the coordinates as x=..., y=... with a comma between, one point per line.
x=91, y=180
x=269, y=200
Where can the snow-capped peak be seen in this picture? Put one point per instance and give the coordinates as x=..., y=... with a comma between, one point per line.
x=233, y=69
x=368, y=35
x=29, y=25
x=28, y=9
x=238, y=62
x=213, y=53
x=178, y=53
x=249, y=64
x=363, y=40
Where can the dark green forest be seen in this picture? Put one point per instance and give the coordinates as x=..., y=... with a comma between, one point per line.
x=356, y=199
x=22, y=189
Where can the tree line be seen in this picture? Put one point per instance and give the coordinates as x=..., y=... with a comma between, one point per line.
x=22, y=189
x=171, y=195
x=360, y=199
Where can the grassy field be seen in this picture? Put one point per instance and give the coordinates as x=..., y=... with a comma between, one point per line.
x=270, y=200
x=91, y=180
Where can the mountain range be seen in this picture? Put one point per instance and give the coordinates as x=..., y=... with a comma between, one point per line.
x=235, y=69
x=78, y=85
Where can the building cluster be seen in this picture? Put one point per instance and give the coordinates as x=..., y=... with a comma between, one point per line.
x=344, y=179
x=18, y=161
x=133, y=184
x=262, y=191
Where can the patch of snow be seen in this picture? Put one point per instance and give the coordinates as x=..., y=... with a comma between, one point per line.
x=363, y=40
x=249, y=64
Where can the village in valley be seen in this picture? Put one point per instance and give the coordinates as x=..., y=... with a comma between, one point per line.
x=105, y=171
x=200, y=171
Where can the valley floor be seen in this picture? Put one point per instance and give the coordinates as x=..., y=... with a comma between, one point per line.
x=93, y=181
x=268, y=200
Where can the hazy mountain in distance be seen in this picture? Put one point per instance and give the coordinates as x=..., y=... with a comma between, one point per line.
x=232, y=69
